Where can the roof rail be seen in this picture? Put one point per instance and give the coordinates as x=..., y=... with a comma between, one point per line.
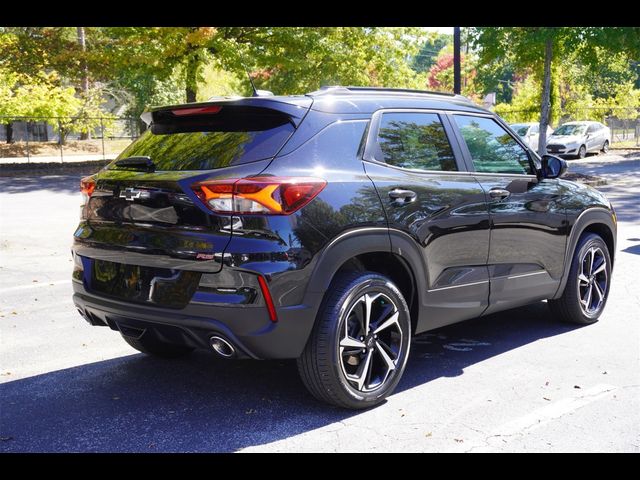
x=339, y=89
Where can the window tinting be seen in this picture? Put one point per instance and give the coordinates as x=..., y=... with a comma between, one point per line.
x=415, y=141
x=209, y=148
x=492, y=149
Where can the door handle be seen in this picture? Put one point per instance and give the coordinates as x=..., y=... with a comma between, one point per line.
x=499, y=193
x=401, y=196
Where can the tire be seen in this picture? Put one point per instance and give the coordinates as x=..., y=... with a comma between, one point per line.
x=151, y=346
x=605, y=146
x=570, y=307
x=582, y=151
x=334, y=366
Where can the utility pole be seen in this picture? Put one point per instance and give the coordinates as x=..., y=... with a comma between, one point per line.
x=456, y=60
x=85, y=71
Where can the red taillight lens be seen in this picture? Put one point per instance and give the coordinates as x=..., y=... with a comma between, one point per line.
x=87, y=186
x=259, y=195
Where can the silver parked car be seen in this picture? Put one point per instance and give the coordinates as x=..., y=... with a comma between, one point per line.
x=579, y=138
x=530, y=133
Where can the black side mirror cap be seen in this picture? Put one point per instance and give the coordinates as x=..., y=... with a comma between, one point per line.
x=553, y=167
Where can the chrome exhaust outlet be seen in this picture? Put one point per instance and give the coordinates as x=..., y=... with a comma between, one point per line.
x=222, y=347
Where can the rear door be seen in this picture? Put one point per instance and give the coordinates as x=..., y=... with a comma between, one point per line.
x=593, y=138
x=534, y=136
x=526, y=255
x=143, y=210
x=419, y=174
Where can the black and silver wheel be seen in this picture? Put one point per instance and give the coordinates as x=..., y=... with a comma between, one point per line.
x=582, y=151
x=587, y=287
x=360, y=344
x=605, y=146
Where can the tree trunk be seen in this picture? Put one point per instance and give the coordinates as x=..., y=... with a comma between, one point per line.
x=10, y=132
x=192, y=77
x=84, y=82
x=545, y=107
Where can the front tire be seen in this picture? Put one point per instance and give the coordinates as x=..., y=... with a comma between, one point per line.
x=360, y=343
x=582, y=151
x=587, y=288
x=149, y=345
x=605, y=146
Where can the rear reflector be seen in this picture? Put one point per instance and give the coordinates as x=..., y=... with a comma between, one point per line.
x=259, y=195
x=267, y=298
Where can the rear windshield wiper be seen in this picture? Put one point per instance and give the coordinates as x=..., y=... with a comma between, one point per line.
x=142, y=164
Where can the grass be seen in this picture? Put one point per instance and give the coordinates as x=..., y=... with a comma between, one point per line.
x=72, y=147
x=625, y=144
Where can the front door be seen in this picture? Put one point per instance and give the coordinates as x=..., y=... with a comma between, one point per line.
x=526, y=254
x=419, y=175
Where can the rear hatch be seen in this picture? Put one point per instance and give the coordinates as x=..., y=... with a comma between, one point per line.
x=141, y=209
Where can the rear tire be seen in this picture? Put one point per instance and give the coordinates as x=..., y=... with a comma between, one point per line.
x=151, y=346
x=585, y=294
x=605, y=146
x=359, y=346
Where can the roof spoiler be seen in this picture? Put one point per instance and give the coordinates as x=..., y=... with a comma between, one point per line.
x=295, y=111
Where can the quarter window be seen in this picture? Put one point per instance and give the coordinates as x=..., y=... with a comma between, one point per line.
x=491, y=147
x=415, y=141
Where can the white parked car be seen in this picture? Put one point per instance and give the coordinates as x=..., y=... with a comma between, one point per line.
x=530, y=133
x=579, y=138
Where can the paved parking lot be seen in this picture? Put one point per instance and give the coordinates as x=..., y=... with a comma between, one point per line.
x=514, y=381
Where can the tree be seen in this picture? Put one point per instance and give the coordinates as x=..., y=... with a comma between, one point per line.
x=428, y=53
x=536, y=48
x=440, y=77
x=39, y=96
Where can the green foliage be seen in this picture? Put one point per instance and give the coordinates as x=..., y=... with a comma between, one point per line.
x=35, y=96
x=429, y=51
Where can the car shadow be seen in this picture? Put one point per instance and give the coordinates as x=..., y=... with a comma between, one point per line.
x=205, y=404
x=52, y=183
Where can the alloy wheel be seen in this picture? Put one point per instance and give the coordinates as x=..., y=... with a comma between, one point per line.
x=592, y=281
x=370, y=342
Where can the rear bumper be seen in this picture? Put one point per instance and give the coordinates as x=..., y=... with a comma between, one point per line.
x=249, y=329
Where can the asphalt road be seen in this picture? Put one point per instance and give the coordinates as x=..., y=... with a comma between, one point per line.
x=514, y=381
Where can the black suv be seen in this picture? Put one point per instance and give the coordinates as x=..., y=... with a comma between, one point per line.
x=330, y=228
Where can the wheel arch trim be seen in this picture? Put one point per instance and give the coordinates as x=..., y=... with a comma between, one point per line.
x=591, y=216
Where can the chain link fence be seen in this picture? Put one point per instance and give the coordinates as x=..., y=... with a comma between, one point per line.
x=63, y=139
x=623, y=122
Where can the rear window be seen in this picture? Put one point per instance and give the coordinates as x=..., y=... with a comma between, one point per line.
x=204, y=142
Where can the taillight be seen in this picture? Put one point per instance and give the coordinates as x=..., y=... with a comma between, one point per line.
x=259, y=195
x=87, y=186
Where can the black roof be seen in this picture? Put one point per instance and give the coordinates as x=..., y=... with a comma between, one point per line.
x=339, y=99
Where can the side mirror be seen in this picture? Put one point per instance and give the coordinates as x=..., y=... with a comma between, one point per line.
x=553, y=167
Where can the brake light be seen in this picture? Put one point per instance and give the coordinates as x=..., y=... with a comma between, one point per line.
x=87, y=186
x=259, y=195
x=197, y=110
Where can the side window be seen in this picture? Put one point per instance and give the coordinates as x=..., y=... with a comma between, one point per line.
x=591, y=129
x=492, y=149
x=415, y=141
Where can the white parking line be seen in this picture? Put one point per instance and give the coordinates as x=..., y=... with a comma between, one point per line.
x=544, y=415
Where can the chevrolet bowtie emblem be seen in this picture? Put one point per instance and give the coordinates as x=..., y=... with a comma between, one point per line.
x=131, y=194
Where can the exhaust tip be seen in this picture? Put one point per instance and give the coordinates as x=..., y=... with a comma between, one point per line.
x=222, y=347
